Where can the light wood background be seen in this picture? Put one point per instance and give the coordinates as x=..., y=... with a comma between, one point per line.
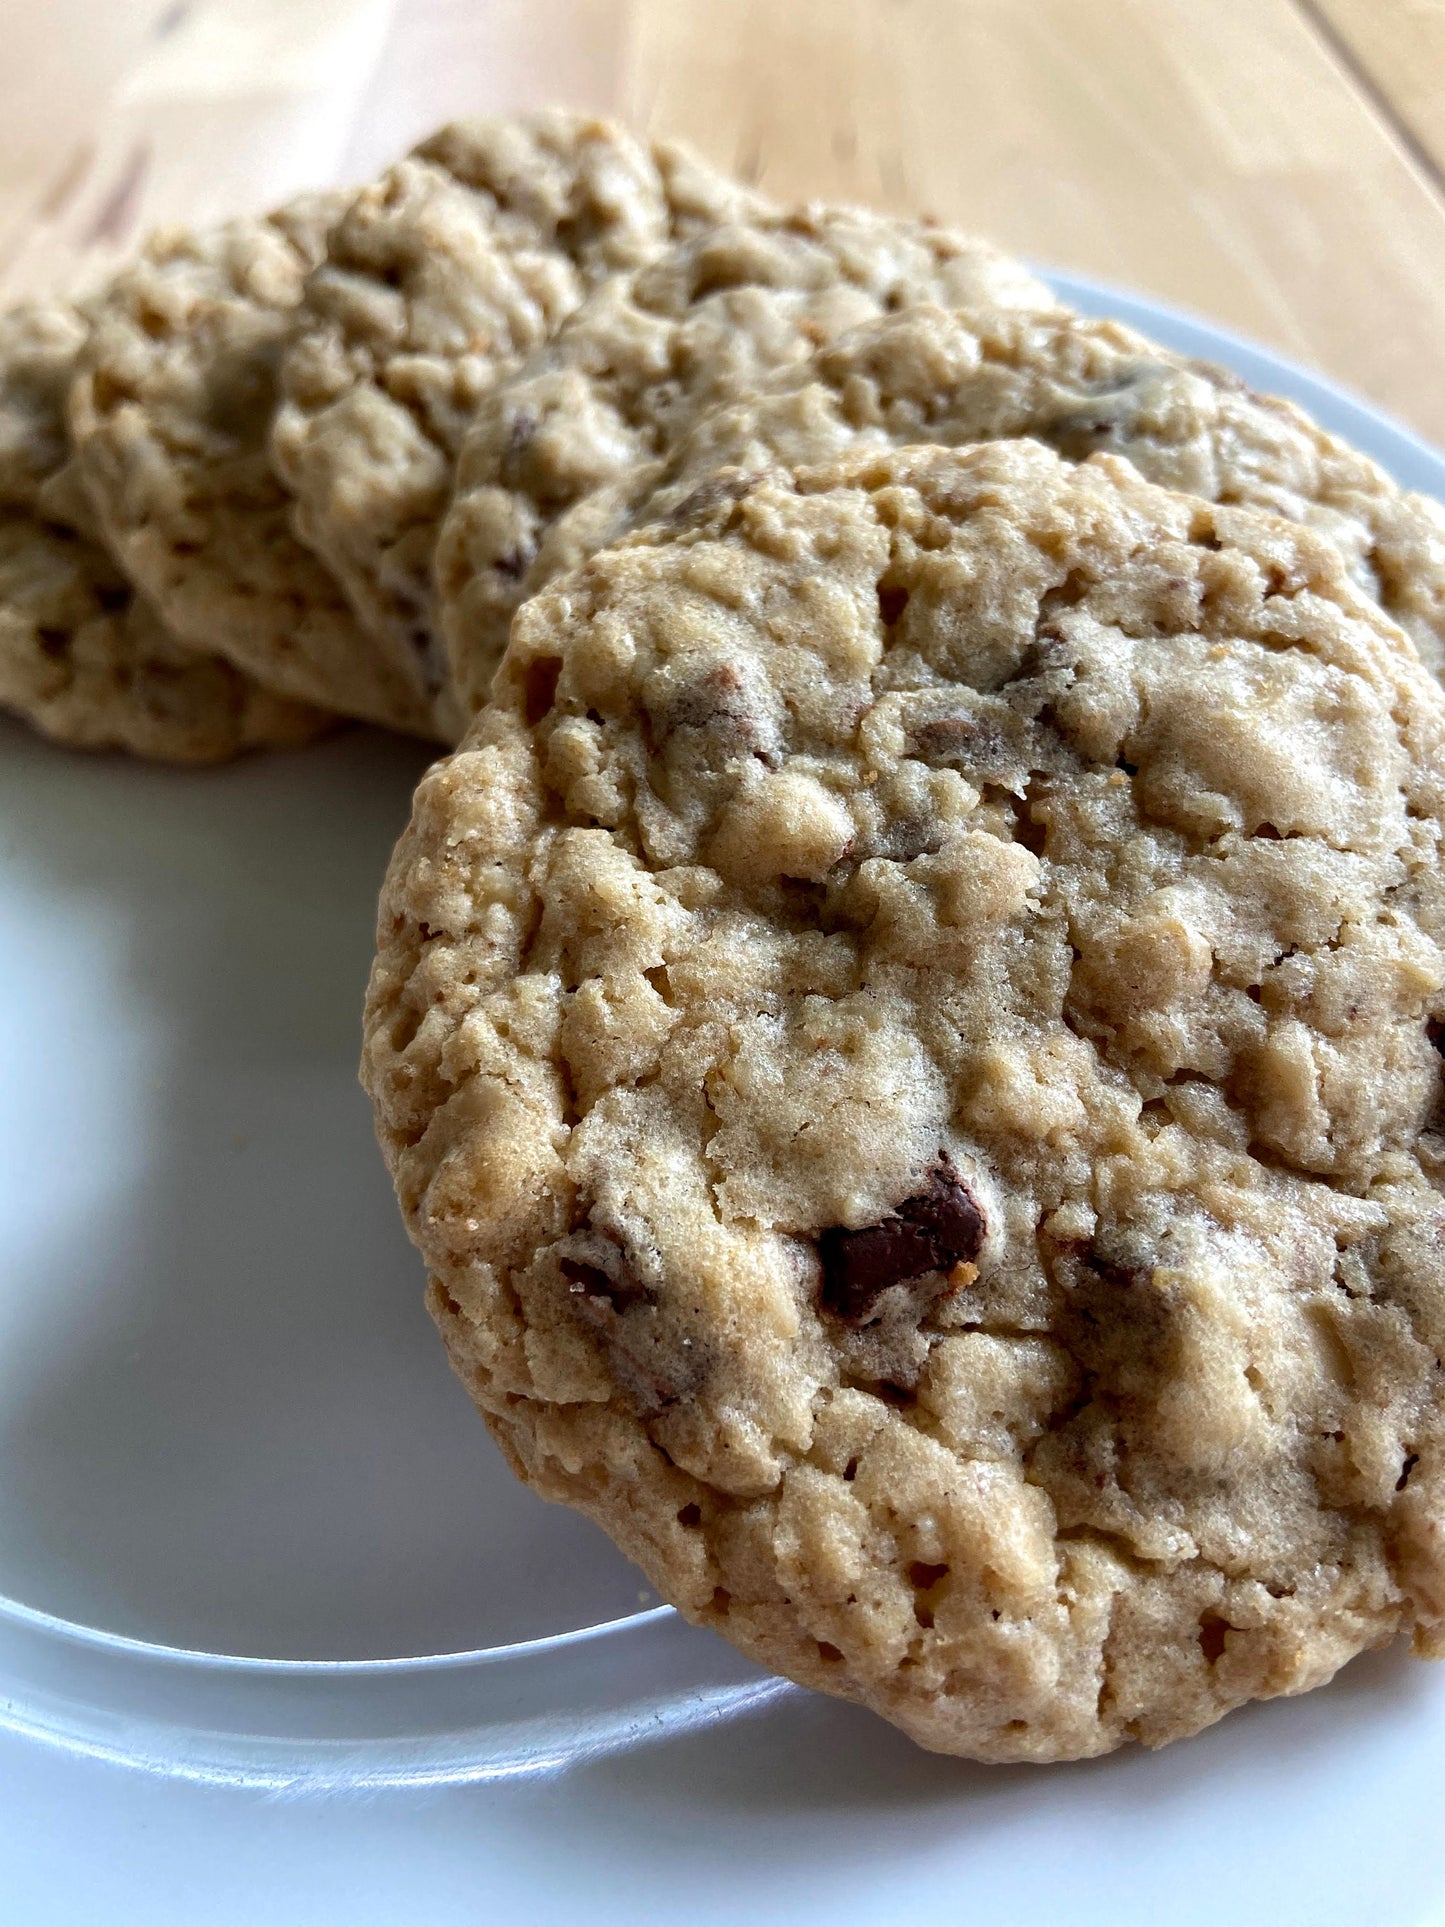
x=1276, y=164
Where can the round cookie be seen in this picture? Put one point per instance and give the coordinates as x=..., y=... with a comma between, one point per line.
x=560, y=453
x=459, y=259
x=81, y=658
x=170, y=411
x=1082, y=386
x=906, y=1038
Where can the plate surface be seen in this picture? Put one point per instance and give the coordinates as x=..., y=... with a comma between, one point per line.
x=224, y=1419
x=225, y=1423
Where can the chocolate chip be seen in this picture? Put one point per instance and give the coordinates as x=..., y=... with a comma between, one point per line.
x=951, y=1212
x=859, y=1266
x=652, y=1361
x=708, y=697
x=713, y=715
x=958, y=740
x=942, y=1226
x=1108, y=414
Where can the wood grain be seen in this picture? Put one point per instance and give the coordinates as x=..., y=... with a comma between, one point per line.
x=1217, y=156
x=1270, y=163
x=1396, y=50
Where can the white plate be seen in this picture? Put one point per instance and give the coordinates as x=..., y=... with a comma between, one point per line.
x=226, y=1428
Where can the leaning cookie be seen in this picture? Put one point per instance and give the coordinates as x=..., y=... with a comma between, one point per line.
x=558, y=455
x=461, y=258
x=1082, y=386
x=906, y=1038
x=83, y=659
x=170, y=411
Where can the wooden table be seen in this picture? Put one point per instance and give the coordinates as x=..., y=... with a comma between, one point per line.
x=1276, y=164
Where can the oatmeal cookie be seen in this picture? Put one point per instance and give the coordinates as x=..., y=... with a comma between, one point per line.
x=559, y=455
x=461, y=258
x=170, y=412
x=1082, y=386
x=82, y=658
x=907, y=1039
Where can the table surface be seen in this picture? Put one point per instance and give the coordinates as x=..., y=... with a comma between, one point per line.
x=1275, y=165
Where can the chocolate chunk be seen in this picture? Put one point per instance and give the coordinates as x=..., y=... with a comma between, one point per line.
x=652, y=1361
x=1108, y=414
x=942, y=1226
x=955, y=739
x=952, y=1213
x=714, y=715
x=718, y=692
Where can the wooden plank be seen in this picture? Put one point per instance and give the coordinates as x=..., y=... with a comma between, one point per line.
x=1396, y=48
x=1224, y=157
x=50, y=100
x=1215, y=156
x=221, y=108
x=444, y=59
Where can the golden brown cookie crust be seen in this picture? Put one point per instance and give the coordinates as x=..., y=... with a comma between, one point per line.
x=559, y=455
x=170, y=414
x=1083, y=386
x=439, y=276
x=906, y=1039
x=82, y=659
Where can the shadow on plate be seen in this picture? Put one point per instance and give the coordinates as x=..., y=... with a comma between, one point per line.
x=225, y=1420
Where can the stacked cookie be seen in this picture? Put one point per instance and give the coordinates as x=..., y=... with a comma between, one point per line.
x=257, y=428
x=906, y=1032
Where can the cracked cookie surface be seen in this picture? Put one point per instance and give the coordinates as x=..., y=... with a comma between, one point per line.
x=907, y=1039
x=1082, y=386
x=82, y=658
x=170, y=410
x=459, y=260
x=560, y=452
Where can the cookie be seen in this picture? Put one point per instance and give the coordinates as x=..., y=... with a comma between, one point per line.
x=82, y=658
x=907, y=1039
x=1082, y=386
x=170, y=411
x=559, y=454
x=463, y=257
